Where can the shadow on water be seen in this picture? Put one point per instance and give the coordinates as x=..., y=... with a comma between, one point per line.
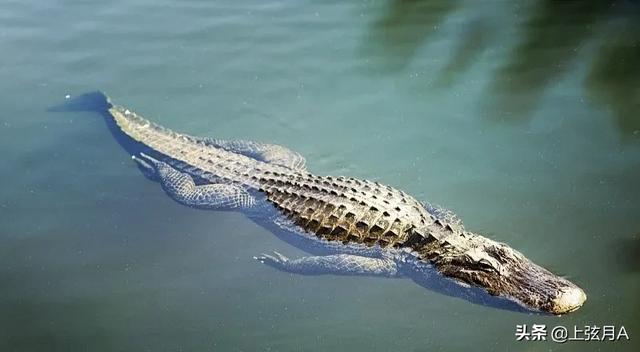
x=395, y=38
x=628, y=250
x=552, y=36
x=552, y=39
x=474, y=40
x=614, y=78
x=99, y=103
x=436, y=283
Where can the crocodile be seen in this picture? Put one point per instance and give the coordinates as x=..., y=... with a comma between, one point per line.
x=349, y=226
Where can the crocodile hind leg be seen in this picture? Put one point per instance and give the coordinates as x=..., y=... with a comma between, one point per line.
x=181, y=187
x=270, y=153
x=339, y=264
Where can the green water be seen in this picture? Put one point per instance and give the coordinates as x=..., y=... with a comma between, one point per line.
x=521, y=116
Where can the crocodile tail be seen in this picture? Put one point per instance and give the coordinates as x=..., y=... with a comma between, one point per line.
x=93, y=101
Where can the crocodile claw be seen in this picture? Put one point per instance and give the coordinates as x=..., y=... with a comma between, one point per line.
x=147, y=166
x=281, y=257
x=143, y=163
x=277, y=259
x=147, y=159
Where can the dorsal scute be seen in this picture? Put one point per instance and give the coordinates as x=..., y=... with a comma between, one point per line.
x=336, y=209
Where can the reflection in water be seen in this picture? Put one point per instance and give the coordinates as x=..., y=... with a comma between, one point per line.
x=406, y=25
x=553, y=35
x=629, y=254
x=474, y=40
x=614, y=80
x=552, y=40
x=551, y=43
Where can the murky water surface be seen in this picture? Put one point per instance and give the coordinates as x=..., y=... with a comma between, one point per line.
x=521, y=116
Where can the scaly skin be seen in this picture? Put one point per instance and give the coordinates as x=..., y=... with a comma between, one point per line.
x=366, y=227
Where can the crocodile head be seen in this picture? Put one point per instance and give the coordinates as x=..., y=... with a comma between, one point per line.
x=503, y=271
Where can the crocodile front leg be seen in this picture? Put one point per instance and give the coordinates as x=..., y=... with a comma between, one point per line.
x=339, y=264
x=181, y=188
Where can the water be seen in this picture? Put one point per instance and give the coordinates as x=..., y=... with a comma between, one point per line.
x=520, y=116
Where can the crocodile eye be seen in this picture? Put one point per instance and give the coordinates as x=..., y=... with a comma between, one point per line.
x=485, y=265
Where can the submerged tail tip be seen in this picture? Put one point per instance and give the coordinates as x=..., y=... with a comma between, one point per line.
x=91, y=101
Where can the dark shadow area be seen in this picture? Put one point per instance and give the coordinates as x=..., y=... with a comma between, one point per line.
x=552, y=36
x=551, y=41
x=474, y=40
x=614, y=79
x=628, y=250
x=99, y=103
x=405, y=26
x=437, y=283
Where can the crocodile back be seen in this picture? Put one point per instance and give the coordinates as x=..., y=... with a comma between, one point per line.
x=346, y=209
